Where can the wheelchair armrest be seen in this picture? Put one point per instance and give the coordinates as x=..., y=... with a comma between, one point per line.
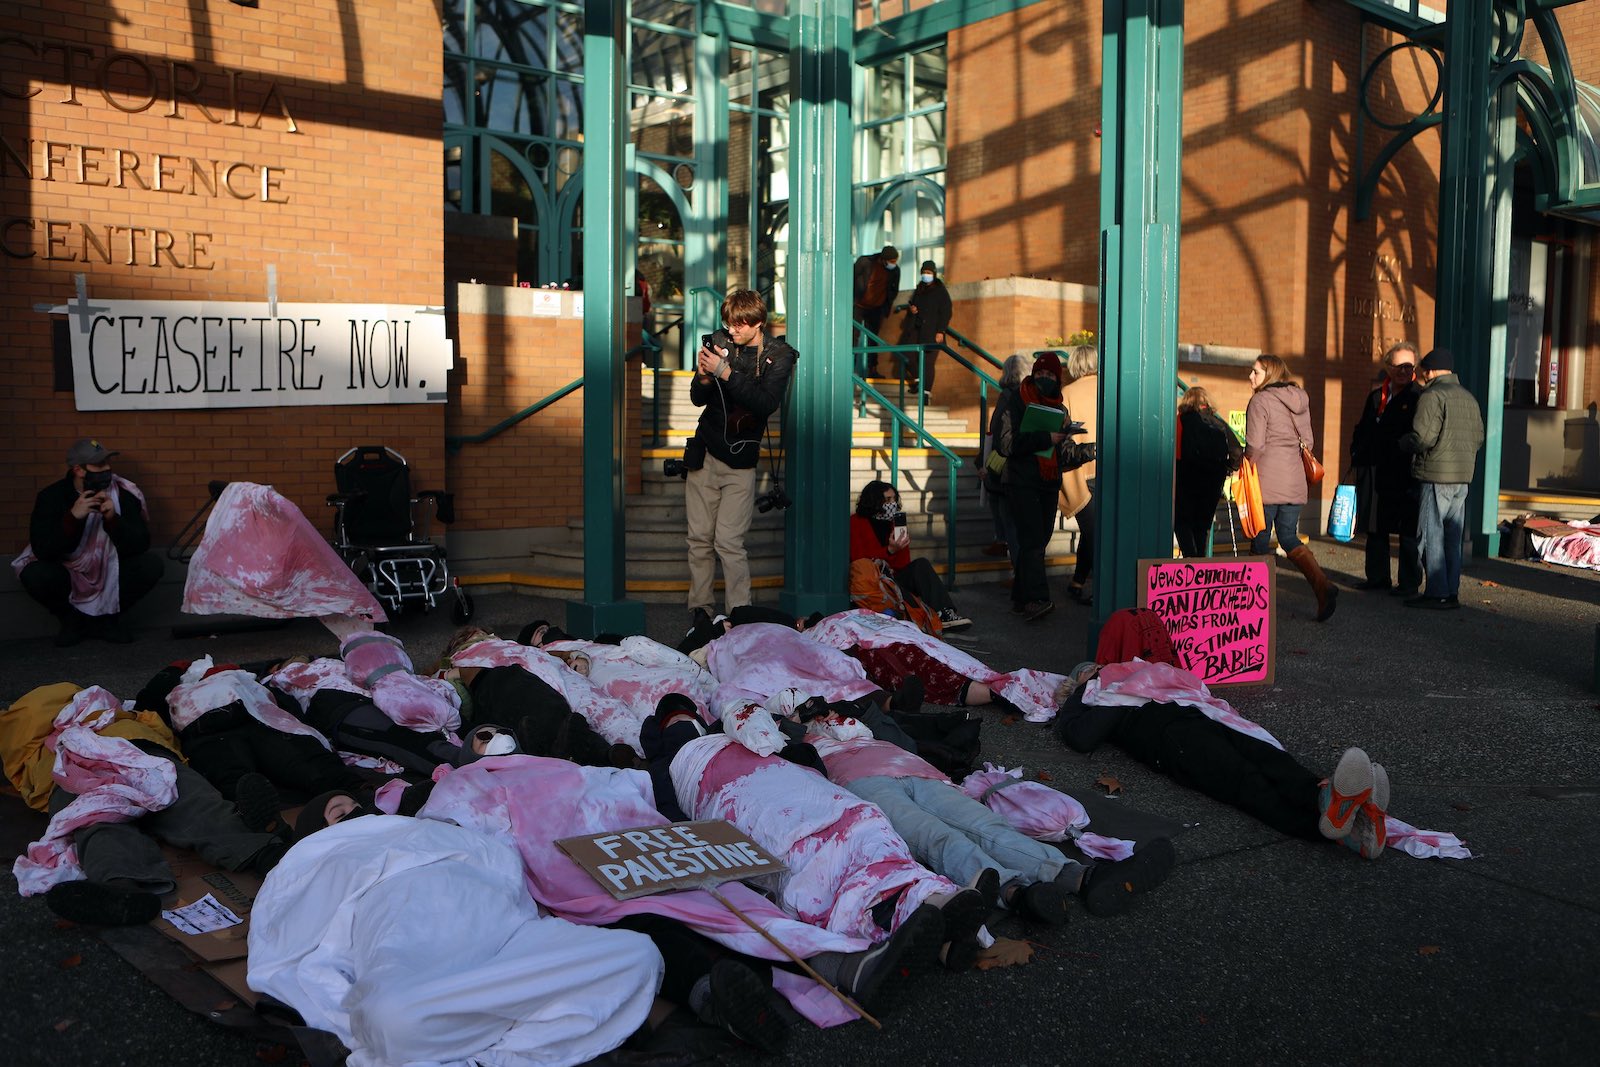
x=444, y=504
x=338, y=500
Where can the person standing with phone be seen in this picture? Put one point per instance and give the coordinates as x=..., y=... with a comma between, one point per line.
x=88, y=557
x=878, y=530
x=741, y=377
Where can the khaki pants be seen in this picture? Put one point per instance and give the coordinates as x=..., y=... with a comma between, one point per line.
x=719, y=501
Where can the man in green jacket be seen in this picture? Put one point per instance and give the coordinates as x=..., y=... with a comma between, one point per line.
x=1445, y=436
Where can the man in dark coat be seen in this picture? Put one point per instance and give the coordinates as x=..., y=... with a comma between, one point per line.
x=1387, y=492
x=927, y=319
x=876, y=280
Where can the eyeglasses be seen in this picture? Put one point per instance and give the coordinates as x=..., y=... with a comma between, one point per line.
x=1404, y=368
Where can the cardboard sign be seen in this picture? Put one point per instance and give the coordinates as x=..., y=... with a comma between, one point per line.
x=234, y=891
x=660, y=859
x=1219, y=613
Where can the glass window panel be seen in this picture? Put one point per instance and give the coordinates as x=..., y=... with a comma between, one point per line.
x=568, y=118
x=569, y=42
x=452, y=178
x=511, y=100
x=772, y=74
x=662, y=61
x=509, y=193
x=740, y=62
x=886, y=91
x=663, y=125
x=568, y=160
x=930, y=222
x=512, y=32
x=455, y=92
x=927, y=141
x=454, y=21
x=766, y=7
x=927, y=79
x=665, y=12
x=881, y=151
x=658, y=215
x=739, y=206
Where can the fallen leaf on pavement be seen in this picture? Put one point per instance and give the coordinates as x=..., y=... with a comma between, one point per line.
x=1491, y=585
x=1004, y=953
x=65, y=1024
x=1428, y=950
x=67, y=924
x=1300, y=652
x=272, y=1053
x=1044, y=776
x=1459, y=806
x=1009, y=720
x=71, y=961
x=1109, y=784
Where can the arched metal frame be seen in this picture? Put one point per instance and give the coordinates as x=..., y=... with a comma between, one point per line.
x=914, y=187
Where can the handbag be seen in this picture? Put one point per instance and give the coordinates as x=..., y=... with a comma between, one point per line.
x=1252, y=511
x=1313, y=468
x=1342, y=516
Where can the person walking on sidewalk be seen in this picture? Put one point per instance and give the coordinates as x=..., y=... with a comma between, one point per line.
x=1277, y=423
x=1445, y=436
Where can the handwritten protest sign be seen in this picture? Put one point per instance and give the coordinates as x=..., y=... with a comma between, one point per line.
x=656, y=859
x=1219, y=613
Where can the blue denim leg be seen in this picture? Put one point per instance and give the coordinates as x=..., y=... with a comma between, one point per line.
x=1430, y=535
x=1285, y=520
x=1452, y=500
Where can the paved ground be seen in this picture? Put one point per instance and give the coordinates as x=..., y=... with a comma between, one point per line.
x=1259, y=949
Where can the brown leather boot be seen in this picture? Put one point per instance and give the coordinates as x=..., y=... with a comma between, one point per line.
x=1327, y=592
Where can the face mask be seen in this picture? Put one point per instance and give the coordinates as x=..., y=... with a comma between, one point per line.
x=1048, y=387
x=501, y=745
x=889, y=510
x=927, y=278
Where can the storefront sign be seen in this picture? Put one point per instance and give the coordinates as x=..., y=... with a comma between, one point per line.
x=1219, y=613
x=167, y=354
x=659, y=859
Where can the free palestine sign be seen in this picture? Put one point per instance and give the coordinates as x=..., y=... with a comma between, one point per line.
x=659, y=859
x=170, y=354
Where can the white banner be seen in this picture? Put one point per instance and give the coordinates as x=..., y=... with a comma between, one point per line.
x=164, y=354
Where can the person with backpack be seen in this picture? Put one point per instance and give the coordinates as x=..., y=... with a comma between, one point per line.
x=1208, y=451
x=876, y=283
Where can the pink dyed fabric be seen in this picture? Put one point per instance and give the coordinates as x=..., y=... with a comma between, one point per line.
x=639, y=672
x=533, y=802
x=93, y=568
x=867, y=757
x=842, y=854
x=115, y=782
x=199, y=694
x=378, y=663
x=1042, y=813
x=1034, y=692
x=1424, y=844
x=1137, y=682
x=611, y=718
x=1581, y=548
x=260, y=557
x=761, y=658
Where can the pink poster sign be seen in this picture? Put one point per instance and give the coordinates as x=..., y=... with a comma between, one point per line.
x=1219, y=613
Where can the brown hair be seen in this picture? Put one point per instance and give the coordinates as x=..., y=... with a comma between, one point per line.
x=1400, y=346
x=1273, y=370
x=1194, y=399
x=744, y=307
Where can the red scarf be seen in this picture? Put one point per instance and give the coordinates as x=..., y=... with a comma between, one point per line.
x=1049, y=470
x=1383, y=396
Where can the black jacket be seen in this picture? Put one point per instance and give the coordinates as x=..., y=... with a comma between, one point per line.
x=54, y=534
x=1375, y=442
x=736, y=410
x=932, y=301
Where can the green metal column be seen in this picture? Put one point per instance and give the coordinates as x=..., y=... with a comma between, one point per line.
x=705, y=240
x=1140, y=184
x=605, y=128
x=1475, y=182
x=822, y=47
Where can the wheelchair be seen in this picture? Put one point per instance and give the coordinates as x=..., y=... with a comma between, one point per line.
x=381, y=530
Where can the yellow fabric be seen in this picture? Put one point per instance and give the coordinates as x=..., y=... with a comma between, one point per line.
x=25, y=725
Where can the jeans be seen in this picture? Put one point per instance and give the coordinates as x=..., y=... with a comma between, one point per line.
x=1285, y=518
x=953, y=835
x=1440, y=525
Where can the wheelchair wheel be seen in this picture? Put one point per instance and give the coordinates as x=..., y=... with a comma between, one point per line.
x=462, y=611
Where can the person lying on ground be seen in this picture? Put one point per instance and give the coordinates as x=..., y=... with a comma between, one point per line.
x=114, y=783
x=1168, y=719
x=758, y=660
x=956, y=836
x=848, y=871
x=706, y=629
x=415, y=941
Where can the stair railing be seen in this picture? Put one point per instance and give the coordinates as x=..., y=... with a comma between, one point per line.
x=952, y=463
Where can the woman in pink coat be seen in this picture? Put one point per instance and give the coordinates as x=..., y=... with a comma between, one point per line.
x=1277, y=421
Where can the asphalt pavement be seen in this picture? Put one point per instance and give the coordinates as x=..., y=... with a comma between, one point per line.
x=1259, y=949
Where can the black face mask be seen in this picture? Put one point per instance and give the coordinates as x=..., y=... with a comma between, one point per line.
x=1048, y=388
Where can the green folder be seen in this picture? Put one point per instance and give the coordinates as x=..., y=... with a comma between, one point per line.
x=1047, y=419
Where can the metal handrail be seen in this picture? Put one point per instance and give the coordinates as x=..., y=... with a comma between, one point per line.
x=455, y=443
x=952, y=462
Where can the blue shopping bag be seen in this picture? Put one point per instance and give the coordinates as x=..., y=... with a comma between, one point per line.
x=1342, y=516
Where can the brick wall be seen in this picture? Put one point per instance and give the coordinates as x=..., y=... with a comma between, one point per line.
x=354, y=216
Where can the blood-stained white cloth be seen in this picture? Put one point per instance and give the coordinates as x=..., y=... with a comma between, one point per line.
x=1137, y=682
x=609, y=717
x=534, y=802
x=860, y=755
x=1424, y=844
x=115, y=781
x=639, y=672
x=378, y=663
x=842, y=854
x=415, y=942
x=1032, y=691
x=1581, y=548
x=400, y=703
x=261, y=557
x=762, y=658
x=94, y=570
x=1042, y=813
x=751, y=725
x=198, y=693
